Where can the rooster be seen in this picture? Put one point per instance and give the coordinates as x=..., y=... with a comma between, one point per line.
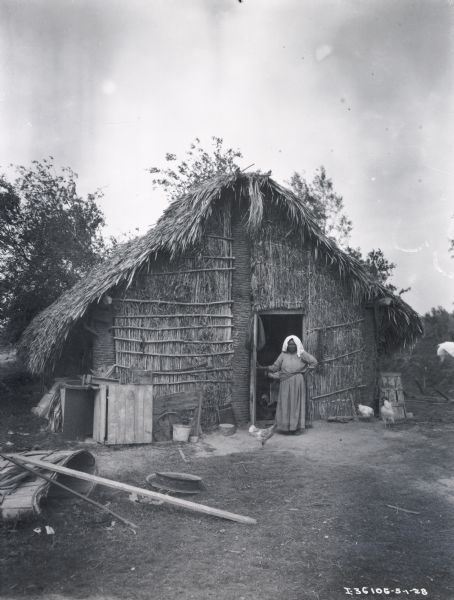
x=387, y=412
x=445, y=349
x=365, y=411
x=262, y=434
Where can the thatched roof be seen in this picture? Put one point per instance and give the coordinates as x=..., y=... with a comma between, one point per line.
x=180, y=227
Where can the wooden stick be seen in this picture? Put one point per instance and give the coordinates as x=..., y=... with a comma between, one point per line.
x=121, y=351
x=207, y=256
x=192, y=381
x=352, y=387
x=172, y=341
x=220, y=237
x=117, y=485
x=179, y=315
x=443, y=395
x=325, y=360
x=176, y=328
x=193, y=271
x=20, y=464
x=140, y=301
x=334, y=326
x=405, y=510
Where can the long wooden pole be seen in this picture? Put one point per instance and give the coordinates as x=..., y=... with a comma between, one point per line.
x=118, y=485
x=21, y=465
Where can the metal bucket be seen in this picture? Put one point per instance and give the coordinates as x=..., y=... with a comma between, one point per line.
x=181, y=432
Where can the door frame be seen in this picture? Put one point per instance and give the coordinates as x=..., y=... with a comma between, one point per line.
x=253, y=353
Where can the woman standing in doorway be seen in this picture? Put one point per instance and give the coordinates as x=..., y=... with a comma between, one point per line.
x=289, y=368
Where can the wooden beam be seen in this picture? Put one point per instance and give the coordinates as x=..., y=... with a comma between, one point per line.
x=132, y=489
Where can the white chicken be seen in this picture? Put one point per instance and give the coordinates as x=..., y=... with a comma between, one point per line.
x=365, y=411
x=263, y=435
x=387, y=412
x=445, y=349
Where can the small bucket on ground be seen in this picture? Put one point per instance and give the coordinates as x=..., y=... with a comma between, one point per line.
x=181, y=432
x=227, y=429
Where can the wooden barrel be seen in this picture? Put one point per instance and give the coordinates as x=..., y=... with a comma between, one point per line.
x=21, y=493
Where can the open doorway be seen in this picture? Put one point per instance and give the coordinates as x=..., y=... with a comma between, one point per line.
x=276, y=327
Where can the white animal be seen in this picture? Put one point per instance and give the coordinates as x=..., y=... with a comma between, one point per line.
x=387, y=412
x=365, y=411
x=262, y=434
x=445, y=349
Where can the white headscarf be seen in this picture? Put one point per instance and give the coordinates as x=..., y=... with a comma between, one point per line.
x=298, y=342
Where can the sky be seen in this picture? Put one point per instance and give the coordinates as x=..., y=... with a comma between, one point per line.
x=363, y=87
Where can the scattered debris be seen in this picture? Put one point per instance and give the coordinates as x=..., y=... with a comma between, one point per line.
x=182, y=454
x=405, y=510
x=18, y=462
x=339, y=419
x=118, y=485
x=179, y=483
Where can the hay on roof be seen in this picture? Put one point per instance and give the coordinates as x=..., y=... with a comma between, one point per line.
x=181, y=229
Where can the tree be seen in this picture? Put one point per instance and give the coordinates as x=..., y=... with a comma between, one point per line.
x=49, y=237
x=198, y=165
x=326, y=205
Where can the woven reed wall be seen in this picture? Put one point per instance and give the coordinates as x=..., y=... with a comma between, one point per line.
x=101, y=322
x=241, y=295
x=287, y=275
x=176, y=320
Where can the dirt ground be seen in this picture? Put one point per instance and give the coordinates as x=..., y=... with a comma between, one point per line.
x=320, y=500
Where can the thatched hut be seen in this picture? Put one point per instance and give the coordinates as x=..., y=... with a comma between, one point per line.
x=228, y=271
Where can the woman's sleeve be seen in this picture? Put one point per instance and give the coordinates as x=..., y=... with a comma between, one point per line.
x=309, y=359
x=276, y=366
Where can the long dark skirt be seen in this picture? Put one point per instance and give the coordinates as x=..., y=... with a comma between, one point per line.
x=291, y=404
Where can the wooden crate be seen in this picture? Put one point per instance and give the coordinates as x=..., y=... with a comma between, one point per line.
x=123, y=414
x=391, y=389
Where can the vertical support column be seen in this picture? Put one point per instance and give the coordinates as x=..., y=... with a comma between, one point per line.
x=253, y=372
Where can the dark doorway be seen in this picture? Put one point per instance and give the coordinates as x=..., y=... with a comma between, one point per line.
x=276, y=327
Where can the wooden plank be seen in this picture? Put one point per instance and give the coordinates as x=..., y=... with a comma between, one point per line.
x=102, y=430
x=130, y=401
x=118, y=485
x=130, y=414
x=253, y=372
x=147, y=412
x=112, y=416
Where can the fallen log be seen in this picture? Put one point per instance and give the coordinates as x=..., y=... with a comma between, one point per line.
x=118, y=485
x=21, y=465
